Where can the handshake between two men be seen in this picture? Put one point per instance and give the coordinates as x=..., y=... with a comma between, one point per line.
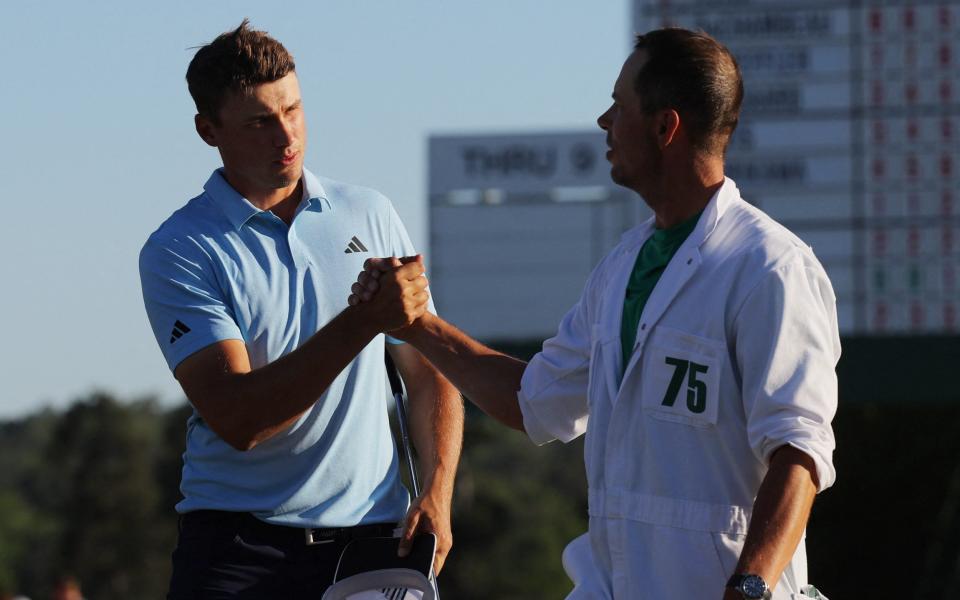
x=396, y=291
x=404, y=297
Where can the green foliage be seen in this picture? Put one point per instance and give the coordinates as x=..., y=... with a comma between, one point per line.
x=90, y=492
x=27, y=530
x=20, y=525
x=103, y=456
x=895, y=508
x=516, y=507
x=82, y=498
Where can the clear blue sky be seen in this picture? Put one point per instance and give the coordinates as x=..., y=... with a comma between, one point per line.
x=98, y=142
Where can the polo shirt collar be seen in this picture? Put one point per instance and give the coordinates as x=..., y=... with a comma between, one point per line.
x=239, y=210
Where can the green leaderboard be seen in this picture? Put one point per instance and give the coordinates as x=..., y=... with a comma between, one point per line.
x=851, y=137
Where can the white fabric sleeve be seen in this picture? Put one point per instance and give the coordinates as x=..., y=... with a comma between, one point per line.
x=787, y=350
x=183, y=300
x=553, y=390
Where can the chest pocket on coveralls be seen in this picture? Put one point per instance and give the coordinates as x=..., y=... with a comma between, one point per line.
x=600, y=358
x=681, y=377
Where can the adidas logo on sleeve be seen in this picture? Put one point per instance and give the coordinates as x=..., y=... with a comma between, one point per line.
x=179, y=329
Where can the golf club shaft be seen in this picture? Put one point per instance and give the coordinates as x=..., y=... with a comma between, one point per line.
x=407, y=446
x=396, y=386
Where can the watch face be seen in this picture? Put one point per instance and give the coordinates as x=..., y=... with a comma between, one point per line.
x=753, y=586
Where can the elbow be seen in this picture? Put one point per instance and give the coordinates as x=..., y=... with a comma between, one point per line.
x=241, y=434
x=241, y=443
x=512, y=419
x=235, y=437
x=231, y=428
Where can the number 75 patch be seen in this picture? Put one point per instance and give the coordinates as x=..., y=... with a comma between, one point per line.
x=681, y=378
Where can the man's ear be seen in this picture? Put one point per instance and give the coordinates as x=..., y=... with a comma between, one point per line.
x=205, y=129
x=667, y=124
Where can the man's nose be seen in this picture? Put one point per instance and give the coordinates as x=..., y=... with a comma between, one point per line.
x=284, y=133
x=604, y=120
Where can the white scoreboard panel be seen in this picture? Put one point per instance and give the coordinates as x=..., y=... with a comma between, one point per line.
x=517, y=222
x=850, y=136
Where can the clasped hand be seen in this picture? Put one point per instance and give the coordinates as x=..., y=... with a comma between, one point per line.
x=395, y=288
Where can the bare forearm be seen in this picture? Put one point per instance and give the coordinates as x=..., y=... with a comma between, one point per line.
x=486, y=377
x=250, y=407
x=780, y=514
x=246, y=406
x=437, y=428
x=436, y=424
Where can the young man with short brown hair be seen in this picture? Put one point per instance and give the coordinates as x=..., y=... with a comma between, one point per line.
x=289, y=453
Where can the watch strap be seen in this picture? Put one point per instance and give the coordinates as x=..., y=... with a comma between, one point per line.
x=736, y=582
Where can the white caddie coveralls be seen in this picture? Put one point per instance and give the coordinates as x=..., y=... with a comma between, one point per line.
x=734, y=357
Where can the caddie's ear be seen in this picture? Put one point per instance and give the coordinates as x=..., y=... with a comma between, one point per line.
x=205, y=129
x=668, y=124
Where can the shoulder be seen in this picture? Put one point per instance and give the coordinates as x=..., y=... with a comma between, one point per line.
x=756, y=240
x=185, y=232
x=749, y=253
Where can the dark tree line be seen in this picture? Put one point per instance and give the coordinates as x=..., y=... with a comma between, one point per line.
x=89, y=496
x=89, y=492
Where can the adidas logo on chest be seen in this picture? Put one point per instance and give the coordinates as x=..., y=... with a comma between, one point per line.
x=355, y=245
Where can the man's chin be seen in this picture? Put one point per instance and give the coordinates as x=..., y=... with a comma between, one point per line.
x=287, y=177
x=616, y=174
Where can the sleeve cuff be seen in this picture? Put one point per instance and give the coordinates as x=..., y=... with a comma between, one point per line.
x=531, y=423
x=187, y=346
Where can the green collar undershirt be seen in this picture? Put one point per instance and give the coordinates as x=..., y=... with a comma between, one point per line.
x=652, y=260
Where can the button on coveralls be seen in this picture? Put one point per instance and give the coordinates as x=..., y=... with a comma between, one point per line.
x=734, y=357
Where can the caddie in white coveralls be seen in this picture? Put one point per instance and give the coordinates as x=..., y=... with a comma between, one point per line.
x=699, y=361
x=734, y=358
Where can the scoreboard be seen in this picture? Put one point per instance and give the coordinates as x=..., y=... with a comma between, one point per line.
x=517, y=222
x=850, y=136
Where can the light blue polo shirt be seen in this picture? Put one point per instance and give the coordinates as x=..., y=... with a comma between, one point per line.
x=220, y=268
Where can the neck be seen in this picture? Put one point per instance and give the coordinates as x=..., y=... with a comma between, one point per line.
x=684, y=190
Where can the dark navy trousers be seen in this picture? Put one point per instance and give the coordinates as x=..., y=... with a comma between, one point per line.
x=222, y=555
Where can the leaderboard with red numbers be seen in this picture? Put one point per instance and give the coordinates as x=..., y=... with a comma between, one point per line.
x=850, y=136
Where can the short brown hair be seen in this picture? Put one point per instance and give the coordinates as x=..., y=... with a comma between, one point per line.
x=694, y=74
x=235, y=62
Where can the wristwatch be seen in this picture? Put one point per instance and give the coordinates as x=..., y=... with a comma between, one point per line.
x=750, y=586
